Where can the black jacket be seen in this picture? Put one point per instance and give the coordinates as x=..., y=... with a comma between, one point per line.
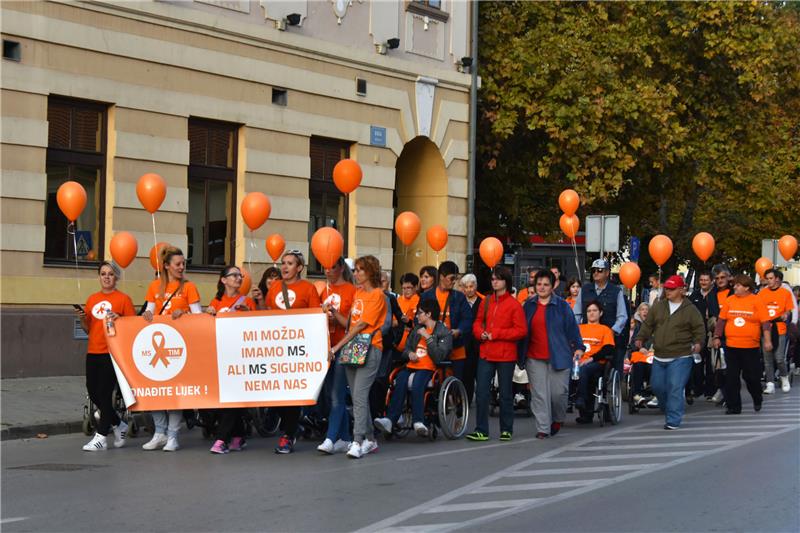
x=440, y=345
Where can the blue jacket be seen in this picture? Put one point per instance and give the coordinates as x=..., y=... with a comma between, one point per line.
x=459, y=311
x=563, y=335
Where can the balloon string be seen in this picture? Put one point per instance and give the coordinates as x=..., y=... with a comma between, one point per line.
x=155, y=245
x=249, y=261
x=72, y=230
x=577, y=264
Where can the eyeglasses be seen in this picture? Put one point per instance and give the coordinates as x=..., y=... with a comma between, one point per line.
x=233, y=275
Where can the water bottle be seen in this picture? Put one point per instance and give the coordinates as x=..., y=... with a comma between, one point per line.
x=110, y=329
x=576, y=370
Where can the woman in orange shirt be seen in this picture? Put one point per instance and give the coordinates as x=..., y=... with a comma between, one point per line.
x=426, y=347
x=172, y=294
x=367, y=316
x=104, y=306
x=338, y=300
x=230, y=430
x=744, y=320
x=598, y=341
x=291, y=292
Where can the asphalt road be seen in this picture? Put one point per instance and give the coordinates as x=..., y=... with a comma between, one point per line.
x=717, y=473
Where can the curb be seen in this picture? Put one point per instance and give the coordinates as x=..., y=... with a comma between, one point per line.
x=28, y=432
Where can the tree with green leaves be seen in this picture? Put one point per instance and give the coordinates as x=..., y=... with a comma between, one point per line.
x=679, y=116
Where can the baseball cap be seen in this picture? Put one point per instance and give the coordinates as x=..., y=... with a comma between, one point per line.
x=601, y=263
x=674, y=282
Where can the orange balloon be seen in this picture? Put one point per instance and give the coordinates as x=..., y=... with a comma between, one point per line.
x=629, y=274
x=275, y=246
x=787, y=246
x=71, y=199
x=762, y=265
x=437, y=237
x=491, y=250
x=347, y=175
x=247, y=282
x=255, y=209
x=124, y=248
x=569, y=201
x=407, y=227
x=320, y=286
x=703, y=245
x=154, y=253
x=569, y=225
x=327, y=245
x=660, y=249
x=151, y=190
x=91, y=256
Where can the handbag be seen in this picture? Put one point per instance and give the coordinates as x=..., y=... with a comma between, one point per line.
x=355, y=351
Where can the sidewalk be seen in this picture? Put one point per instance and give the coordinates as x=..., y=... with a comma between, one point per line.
x=53, y=405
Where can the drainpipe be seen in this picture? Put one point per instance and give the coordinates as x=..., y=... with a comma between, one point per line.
x=473, y=124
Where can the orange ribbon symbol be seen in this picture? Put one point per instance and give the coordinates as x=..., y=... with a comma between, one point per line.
x=162, y=353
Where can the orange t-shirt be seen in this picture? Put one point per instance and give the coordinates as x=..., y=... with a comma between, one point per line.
x=571, y=301
x=721, y=297
x=777, y=302
x=743, y=317
x=96, y=306
x=370, y=307
x=424, y=362
x=441, y=297
x=409, y=308
x=595, y=336
x=301, y=293
x=340, y=297
x=187, y=295
x=224, y=304
x=522, y=295
x=639, y=357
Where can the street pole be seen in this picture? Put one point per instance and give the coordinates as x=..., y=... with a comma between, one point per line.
x=473, y=126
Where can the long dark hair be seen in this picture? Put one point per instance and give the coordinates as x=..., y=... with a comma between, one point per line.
x=220, y=286
x=262, y=285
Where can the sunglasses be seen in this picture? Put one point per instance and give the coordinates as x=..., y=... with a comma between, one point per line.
x=297, y=253
x=595, y=270
x=233, y=275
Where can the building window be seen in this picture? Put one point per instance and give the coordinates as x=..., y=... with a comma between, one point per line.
x=212, y=192
x=328, y=204
x=76, y=151
x=431, y=8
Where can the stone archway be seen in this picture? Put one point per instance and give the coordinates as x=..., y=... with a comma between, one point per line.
x=421, y=187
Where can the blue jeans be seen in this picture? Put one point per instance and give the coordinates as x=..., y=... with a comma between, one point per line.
x=505, y=381
x=458, y=368
x=338, y=419
x=398, y=400
x=669, y=381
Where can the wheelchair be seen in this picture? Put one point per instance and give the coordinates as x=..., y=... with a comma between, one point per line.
x=136, y=421
x=608, y=401
x=446, y=405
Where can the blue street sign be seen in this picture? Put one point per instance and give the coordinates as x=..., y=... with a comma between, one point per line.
x=377, y=136
x=83, y=240
x=636, y=247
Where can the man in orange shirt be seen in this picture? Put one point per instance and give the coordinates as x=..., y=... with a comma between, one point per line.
x=780, y=304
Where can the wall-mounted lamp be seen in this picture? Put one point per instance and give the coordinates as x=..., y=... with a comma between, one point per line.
x=464, y=64
x=292, y=19
x=390, y=44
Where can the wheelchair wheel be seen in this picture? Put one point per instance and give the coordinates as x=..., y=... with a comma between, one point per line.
x=626, y=387
x=599, y=403
x=265, y=421
x=453, y=408
x=614, y=397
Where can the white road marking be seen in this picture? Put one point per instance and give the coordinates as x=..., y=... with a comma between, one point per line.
x=14, y=519
x=535, y=486
x=500, y=504
x=442, y=503
x=475, y=448
x=650, y=445
x=580, y=470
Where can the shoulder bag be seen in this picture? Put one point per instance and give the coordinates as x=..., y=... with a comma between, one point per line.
x=355, y=351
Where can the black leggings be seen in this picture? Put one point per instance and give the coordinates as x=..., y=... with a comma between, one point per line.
x=100, y=383
x=230, y=424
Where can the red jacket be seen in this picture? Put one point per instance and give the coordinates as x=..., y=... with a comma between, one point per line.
x=505, y=320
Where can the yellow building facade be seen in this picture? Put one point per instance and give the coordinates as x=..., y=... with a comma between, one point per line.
x=220, y=98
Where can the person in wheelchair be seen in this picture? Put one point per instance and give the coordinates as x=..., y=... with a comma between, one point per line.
x=641, y=360
x=425, y=348
x=598, y=341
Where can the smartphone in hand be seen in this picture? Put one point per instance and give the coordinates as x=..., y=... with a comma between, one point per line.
x=78, y=307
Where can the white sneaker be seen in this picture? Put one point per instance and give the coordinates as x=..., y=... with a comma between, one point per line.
x=120, y=434
x=638, y=399
x=420, y=429
x=158, y=441
x=326, y=447
x=770, y=388
x=172, y=444
x=384, y=425
x=354, y=450
x=785, y=385
x=368, y=446
x=797, y=371
x=653, y=402
x=718, y=397
x=341, y=446
x=97, y=444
